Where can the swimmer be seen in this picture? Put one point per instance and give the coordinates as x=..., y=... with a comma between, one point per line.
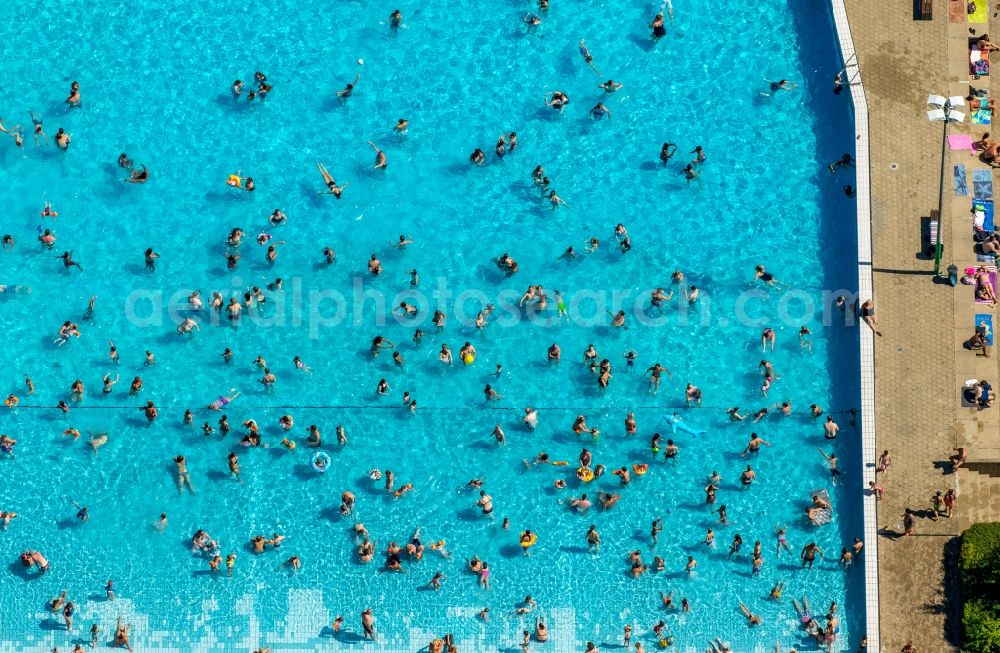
x=600, y=111
x=690, y=174
x=122, y=635
x=659, y=30
x=557, y=100
x=293, y=563
x=188, y=325
x=62, y=139
x=654, y=377
x=831, y=460
x=780, y=85
x=97, y=440
x=374, y=265
x=804, y=341
x=585, y=53
x=760, y=274
x=666, y=153
x=37, y=122
x=348, y=90
x=140, y=176
x=67, y=259
x=402, y=126
x=767, y=336
x=331, y=184
x=395, y=21
x=380, y=160
x=752, y=619
x=610, y=86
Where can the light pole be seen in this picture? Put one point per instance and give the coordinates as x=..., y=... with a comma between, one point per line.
x=945, y=113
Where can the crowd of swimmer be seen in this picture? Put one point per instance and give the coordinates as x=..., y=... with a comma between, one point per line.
x=396, y=557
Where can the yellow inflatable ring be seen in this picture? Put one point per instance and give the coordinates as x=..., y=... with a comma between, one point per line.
x=640, y=468
x=529, y=542
x=584, y=474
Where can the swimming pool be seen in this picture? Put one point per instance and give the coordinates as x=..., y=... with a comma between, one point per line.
x=155, y=84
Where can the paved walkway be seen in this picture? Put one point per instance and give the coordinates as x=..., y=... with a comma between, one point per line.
x=920, y=362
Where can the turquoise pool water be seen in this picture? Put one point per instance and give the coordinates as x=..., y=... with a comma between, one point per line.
x=155, y=83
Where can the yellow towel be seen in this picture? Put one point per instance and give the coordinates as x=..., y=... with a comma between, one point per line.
x=980, y=16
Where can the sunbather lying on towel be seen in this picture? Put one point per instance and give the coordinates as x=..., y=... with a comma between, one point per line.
x=990, y=149
x=989, y=246
x=984, y=286
x=984, y=43
x=981, y=103
x=976, y=342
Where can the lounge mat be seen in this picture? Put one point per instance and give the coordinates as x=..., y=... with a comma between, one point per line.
x=960, y=182
x=982, y=184
x=981, y=117
x=823, y=515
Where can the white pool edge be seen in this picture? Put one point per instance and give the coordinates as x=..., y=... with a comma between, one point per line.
x=854, y=83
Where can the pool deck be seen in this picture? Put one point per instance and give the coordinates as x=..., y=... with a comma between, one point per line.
x=920, y=363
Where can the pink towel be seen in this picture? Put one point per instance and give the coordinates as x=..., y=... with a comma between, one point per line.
x=961, y=142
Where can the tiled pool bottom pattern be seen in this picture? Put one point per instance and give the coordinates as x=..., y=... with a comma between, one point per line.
x=306, y=627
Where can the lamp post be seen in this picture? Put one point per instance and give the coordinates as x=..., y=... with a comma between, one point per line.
x=945, y=113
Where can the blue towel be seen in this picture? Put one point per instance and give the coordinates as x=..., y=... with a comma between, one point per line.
x=982, y=184
x=987, y=208
x=960, y=182
x=988, y=319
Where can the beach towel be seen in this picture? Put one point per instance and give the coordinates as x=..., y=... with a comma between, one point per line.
x=960, y=182
x=993, y=282
x=984, y=324
x=981, y=117
x=956, y=11
x=961, y=142
x=982, y=184
x=979, y=16
x=983, y=210
x=979, y=62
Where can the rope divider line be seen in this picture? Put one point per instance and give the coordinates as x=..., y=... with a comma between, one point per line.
x=401, y=408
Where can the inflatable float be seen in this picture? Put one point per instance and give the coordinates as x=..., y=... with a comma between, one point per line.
x=321, y=461
x=678, y=424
